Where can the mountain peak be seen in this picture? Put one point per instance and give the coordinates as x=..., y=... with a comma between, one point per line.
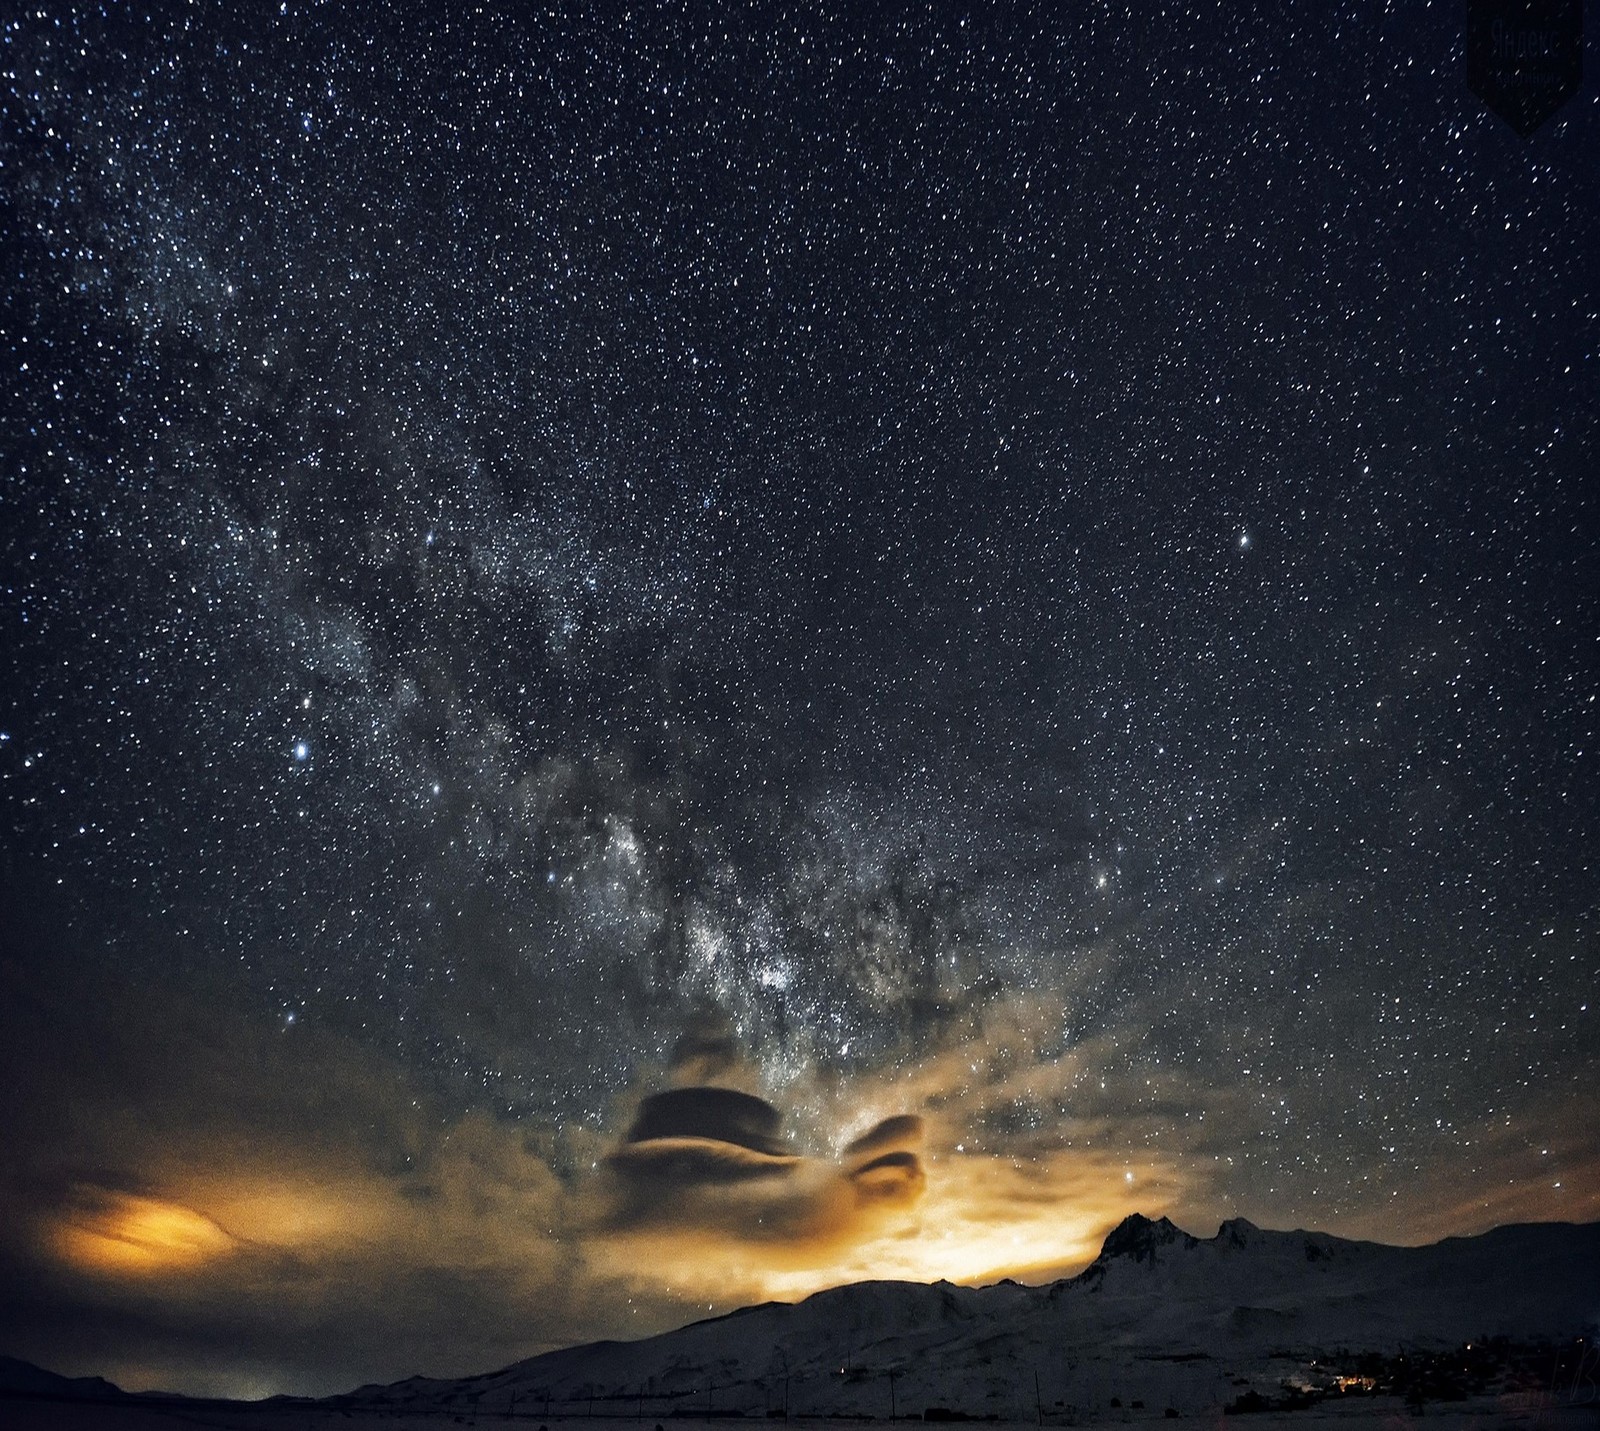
x=1238, y=1232
x=1138, y=1238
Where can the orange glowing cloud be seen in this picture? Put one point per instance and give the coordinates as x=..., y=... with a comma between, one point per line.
x=124, y=1234
x=710, y=1202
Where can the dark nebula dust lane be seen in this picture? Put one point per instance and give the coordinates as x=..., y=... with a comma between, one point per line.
x=659, y=656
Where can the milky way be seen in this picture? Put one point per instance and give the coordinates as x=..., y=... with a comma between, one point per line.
x=1032, y=572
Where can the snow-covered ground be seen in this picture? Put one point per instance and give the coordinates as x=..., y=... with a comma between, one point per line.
x=1518, y=1413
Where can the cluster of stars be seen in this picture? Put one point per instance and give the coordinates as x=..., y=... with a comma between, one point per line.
x=849, y=524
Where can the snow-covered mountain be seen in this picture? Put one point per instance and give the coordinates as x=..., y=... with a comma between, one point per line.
x=1160, y=1318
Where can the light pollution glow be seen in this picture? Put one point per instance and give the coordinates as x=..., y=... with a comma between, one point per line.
x=803, y=1223
x=329, y=1189
x=481, y=1196
x=980, y=1219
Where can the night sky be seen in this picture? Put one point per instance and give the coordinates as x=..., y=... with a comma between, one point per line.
x=1016, y=588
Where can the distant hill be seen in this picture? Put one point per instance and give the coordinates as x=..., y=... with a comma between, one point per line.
x=1159, y=1316
x=23, y=1378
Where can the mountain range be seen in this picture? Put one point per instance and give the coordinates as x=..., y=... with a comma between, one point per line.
x=1160, y=1319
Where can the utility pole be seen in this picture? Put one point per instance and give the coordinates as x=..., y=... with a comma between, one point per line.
x=1038, y=1401
x=893, y=1413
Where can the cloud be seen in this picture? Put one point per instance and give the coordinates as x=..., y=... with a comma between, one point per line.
x=711, y=1115
x=896, y=1135
x=106, y=1230
x=208, y=1205
x=220, y=1206
x=707, y=1165
x=214, y=1204
x=708, y=1050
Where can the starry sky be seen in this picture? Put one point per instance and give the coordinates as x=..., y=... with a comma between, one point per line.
x=661, y=655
